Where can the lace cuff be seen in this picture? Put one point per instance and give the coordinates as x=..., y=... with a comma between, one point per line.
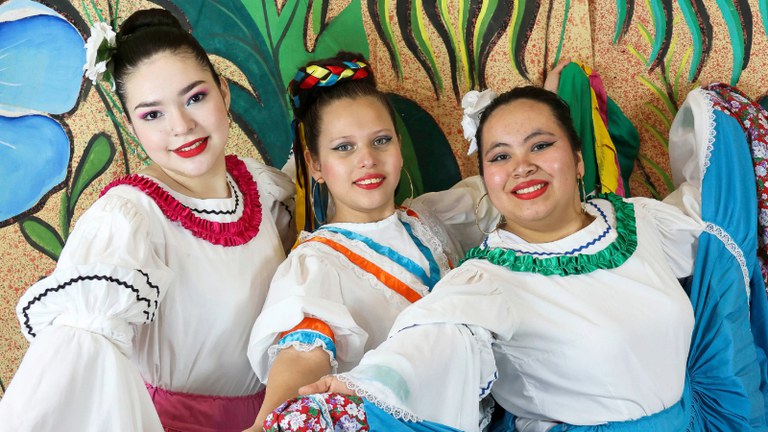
x=391, y=409
x=305, y=341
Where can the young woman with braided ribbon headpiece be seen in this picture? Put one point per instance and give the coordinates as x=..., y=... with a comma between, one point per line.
x=340, y=289
x=162, y=278
x=572, y=314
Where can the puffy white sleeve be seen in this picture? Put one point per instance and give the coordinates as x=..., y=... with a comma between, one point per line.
x=461, y=209
x=80, y=323
x=688, y=153
x=407, y=374
x=679, y=231
x=440, y=345
x=305, y=310
x=279, y=192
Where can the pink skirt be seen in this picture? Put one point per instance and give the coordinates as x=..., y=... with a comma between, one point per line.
x=187, y=412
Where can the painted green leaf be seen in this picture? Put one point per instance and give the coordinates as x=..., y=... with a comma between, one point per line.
x=345, y=31
x=648, y=184
x=697, y=20
x=98, y=155
x=457, y=55
x=226, y=28
x=562, y=31
x=733, y=14
x=763, y=5
x=661, y=11
x=660, y=171
x=410, y=34
x=379, y=11
x=440, y=22
x=490, y=26
x=419, y=30
x=41, y=236
x=525, y=14
x=319, y=16
x=625, y=9
x=435, y=162
x=468, y=17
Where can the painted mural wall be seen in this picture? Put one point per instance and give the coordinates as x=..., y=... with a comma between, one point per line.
x=62, y=138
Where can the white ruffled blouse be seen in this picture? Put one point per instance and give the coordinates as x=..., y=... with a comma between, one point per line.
x=322, y=283
x=139, y=297
x=588, y=348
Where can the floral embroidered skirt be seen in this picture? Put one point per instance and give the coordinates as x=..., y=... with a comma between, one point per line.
x=320, y=412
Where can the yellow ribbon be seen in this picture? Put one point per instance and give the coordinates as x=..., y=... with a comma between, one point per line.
x=605, y=150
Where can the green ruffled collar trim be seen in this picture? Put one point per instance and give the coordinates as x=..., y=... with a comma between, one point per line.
x=609, y=258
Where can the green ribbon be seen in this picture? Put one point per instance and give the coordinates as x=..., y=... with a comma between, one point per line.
x=611, y=257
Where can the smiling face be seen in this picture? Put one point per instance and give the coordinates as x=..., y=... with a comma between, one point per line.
x=179, y=114
x=358, y=158
x=530, y=171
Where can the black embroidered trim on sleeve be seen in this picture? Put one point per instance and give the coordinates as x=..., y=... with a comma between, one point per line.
x=150, y=316
x=154, y=287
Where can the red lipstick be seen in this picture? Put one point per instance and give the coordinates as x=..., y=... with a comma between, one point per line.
x=192, y=148
x=530, y=189
x=370, y=181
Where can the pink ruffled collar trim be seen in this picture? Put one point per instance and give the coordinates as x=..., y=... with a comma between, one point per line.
x=227, y=234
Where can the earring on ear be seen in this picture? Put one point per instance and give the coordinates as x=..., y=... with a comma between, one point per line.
x=477, y=218
x=583, y=189
x=410, y=183
x=319, y=213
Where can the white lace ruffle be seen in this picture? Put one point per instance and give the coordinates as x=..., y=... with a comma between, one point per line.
x=710, y=128
x=432, y=233
x=733, y=248
x=396, y=412
x=274, y=350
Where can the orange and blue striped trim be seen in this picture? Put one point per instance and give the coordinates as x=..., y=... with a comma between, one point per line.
x=308, y=332
x=384, y=277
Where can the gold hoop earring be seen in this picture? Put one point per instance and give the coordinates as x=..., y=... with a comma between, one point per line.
x=477, y=217
x=410, y=183
x=314, y=211
x=580, y=181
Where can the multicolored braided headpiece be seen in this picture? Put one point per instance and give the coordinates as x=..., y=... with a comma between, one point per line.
x=315, y=75
x=311, y=81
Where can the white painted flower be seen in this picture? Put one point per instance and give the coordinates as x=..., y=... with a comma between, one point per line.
x=474, y=103
x=98, y=52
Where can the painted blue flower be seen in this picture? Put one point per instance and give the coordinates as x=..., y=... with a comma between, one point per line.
x=41, y=64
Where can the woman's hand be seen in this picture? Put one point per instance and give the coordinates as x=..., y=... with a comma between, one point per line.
x=326, y=384
x=552, y=80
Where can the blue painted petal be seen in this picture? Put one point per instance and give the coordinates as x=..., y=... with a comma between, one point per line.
x=26, y=8
x=41, y=64
x=34, y=155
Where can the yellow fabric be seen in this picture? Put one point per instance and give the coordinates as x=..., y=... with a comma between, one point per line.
x=323, y=73
x=301, y=208
x=605, y=150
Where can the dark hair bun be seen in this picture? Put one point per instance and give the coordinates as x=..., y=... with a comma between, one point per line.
x=148, y=18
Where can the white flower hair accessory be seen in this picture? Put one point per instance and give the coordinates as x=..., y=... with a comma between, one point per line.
x=98, y=52
x=474, y=103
